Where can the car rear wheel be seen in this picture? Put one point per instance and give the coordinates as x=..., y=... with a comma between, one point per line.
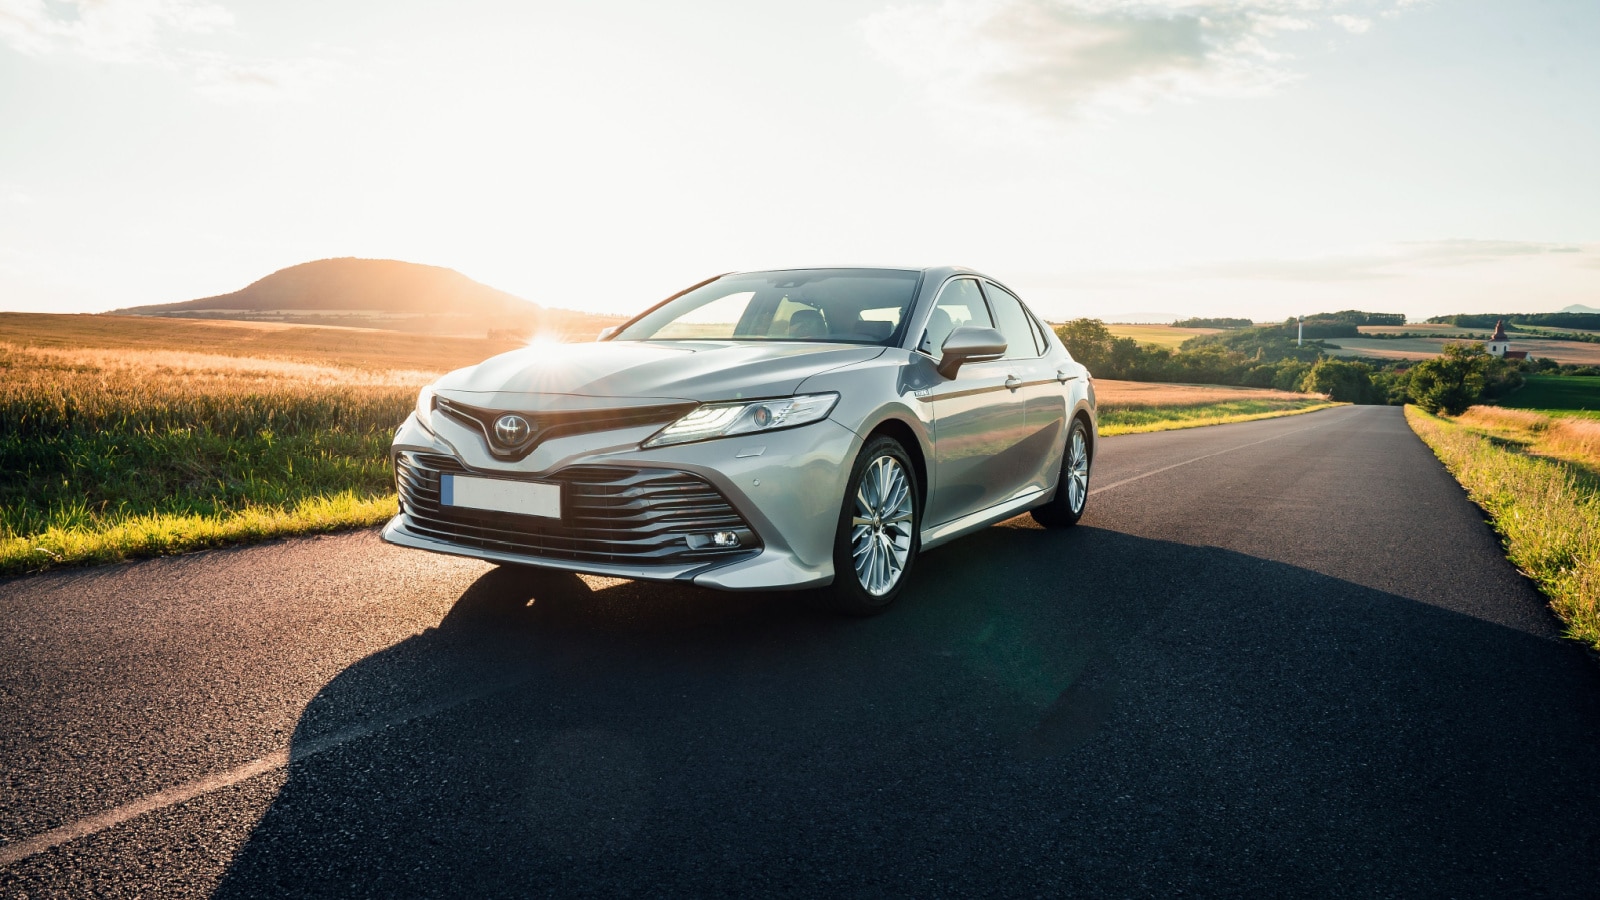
x=876, y=543
x=1072, y=490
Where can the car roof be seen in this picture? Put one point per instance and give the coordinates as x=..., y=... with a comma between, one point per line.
x=935, y=271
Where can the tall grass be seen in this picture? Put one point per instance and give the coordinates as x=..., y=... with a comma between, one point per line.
x=1547, y=512
x=106, y=454
x=1572, y=440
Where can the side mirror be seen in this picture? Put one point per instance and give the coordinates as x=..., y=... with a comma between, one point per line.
x=607, y=332
x=969, y=343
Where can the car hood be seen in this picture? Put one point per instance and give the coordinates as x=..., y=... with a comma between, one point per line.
x=702, y=371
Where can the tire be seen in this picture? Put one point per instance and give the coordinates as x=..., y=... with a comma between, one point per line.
x=1072, y=489
x=877, y=541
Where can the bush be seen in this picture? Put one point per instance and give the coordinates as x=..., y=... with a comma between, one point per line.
x=1347, y=382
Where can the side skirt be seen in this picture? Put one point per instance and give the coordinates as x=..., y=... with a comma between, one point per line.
x=949, y=531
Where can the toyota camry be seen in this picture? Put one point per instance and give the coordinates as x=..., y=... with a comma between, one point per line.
x=802, y=428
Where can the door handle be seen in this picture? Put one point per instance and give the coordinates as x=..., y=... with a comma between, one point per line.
x=1013, y=382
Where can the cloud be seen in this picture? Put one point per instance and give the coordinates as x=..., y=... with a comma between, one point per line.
x=105, y=30
x=148, y=32
x=229, y=79
x=1061, y=58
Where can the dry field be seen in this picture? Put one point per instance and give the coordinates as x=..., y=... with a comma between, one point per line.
x=1161, y=335
x=1135, y=394
x=356, y=348
x=1573, y=352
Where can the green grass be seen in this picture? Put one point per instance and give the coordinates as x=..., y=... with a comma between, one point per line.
x=1558, y=395
x=1547, y=514
x=1142, y=419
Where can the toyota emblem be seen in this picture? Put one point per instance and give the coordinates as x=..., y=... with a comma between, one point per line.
x=512, y=430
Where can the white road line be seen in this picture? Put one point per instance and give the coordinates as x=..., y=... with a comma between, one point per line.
x=1132, y=478
x=55, y=837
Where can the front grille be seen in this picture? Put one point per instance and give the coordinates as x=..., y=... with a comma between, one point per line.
x=549, y=424
x=609, y=514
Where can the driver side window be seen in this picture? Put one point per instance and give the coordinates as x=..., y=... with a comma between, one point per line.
x=960, y=303
x=1015, y=324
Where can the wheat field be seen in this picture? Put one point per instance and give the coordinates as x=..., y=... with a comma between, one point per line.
x=109, y=453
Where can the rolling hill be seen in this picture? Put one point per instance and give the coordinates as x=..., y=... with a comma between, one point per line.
x=381, y=293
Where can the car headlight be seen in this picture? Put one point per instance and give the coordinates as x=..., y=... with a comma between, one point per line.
x=715, y=420
x=425, y=407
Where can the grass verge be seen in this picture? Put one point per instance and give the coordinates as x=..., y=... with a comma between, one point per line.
x=164, y=533
x=1115, y=419
x=1546, y=511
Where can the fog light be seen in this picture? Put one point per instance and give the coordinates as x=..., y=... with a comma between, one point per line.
x=718, y=540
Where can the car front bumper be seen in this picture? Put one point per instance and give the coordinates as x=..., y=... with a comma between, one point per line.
x=788, y=486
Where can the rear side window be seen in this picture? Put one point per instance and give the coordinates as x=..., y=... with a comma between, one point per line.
x=1039, y=340
x=1014, y=323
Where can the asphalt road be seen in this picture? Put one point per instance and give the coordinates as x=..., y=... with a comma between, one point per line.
x=1280, y=658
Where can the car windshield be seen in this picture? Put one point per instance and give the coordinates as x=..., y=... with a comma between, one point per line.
x=856, y=306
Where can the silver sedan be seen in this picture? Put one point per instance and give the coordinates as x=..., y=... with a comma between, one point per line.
x=760, y=430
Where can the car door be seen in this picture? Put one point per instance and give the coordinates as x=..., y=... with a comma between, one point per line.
x=978, y=419
x=1036, y=381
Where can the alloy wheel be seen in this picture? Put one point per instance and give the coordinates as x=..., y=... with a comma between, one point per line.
x=1077, y=471
x=880, y=529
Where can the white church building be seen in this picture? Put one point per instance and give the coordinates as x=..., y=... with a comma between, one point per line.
x=1500, y=345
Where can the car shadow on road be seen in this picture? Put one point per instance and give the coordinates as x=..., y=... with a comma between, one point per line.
x=1043, y=712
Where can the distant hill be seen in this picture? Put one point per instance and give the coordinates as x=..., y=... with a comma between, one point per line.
x=1579, y=308
x=381, y=293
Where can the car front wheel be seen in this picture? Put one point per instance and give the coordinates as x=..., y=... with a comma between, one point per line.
x=876, y=542
x=1072, y=490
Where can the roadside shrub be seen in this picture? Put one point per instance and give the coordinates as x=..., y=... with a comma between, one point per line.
x=1465, y=374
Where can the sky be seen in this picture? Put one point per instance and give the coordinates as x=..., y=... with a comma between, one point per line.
x=1124, y=160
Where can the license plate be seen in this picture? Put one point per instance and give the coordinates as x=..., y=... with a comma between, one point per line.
x=525, y=498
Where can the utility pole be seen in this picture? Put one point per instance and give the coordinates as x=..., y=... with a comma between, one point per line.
x=1300, y=336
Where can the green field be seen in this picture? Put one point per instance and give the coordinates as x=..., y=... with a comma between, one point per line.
x=1563, y=396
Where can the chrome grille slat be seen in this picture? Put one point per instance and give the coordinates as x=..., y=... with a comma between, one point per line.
x=609, y=514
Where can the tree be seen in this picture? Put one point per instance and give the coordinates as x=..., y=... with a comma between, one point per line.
x=1089, y=341
x=1341, y=380
x=1452, y=382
